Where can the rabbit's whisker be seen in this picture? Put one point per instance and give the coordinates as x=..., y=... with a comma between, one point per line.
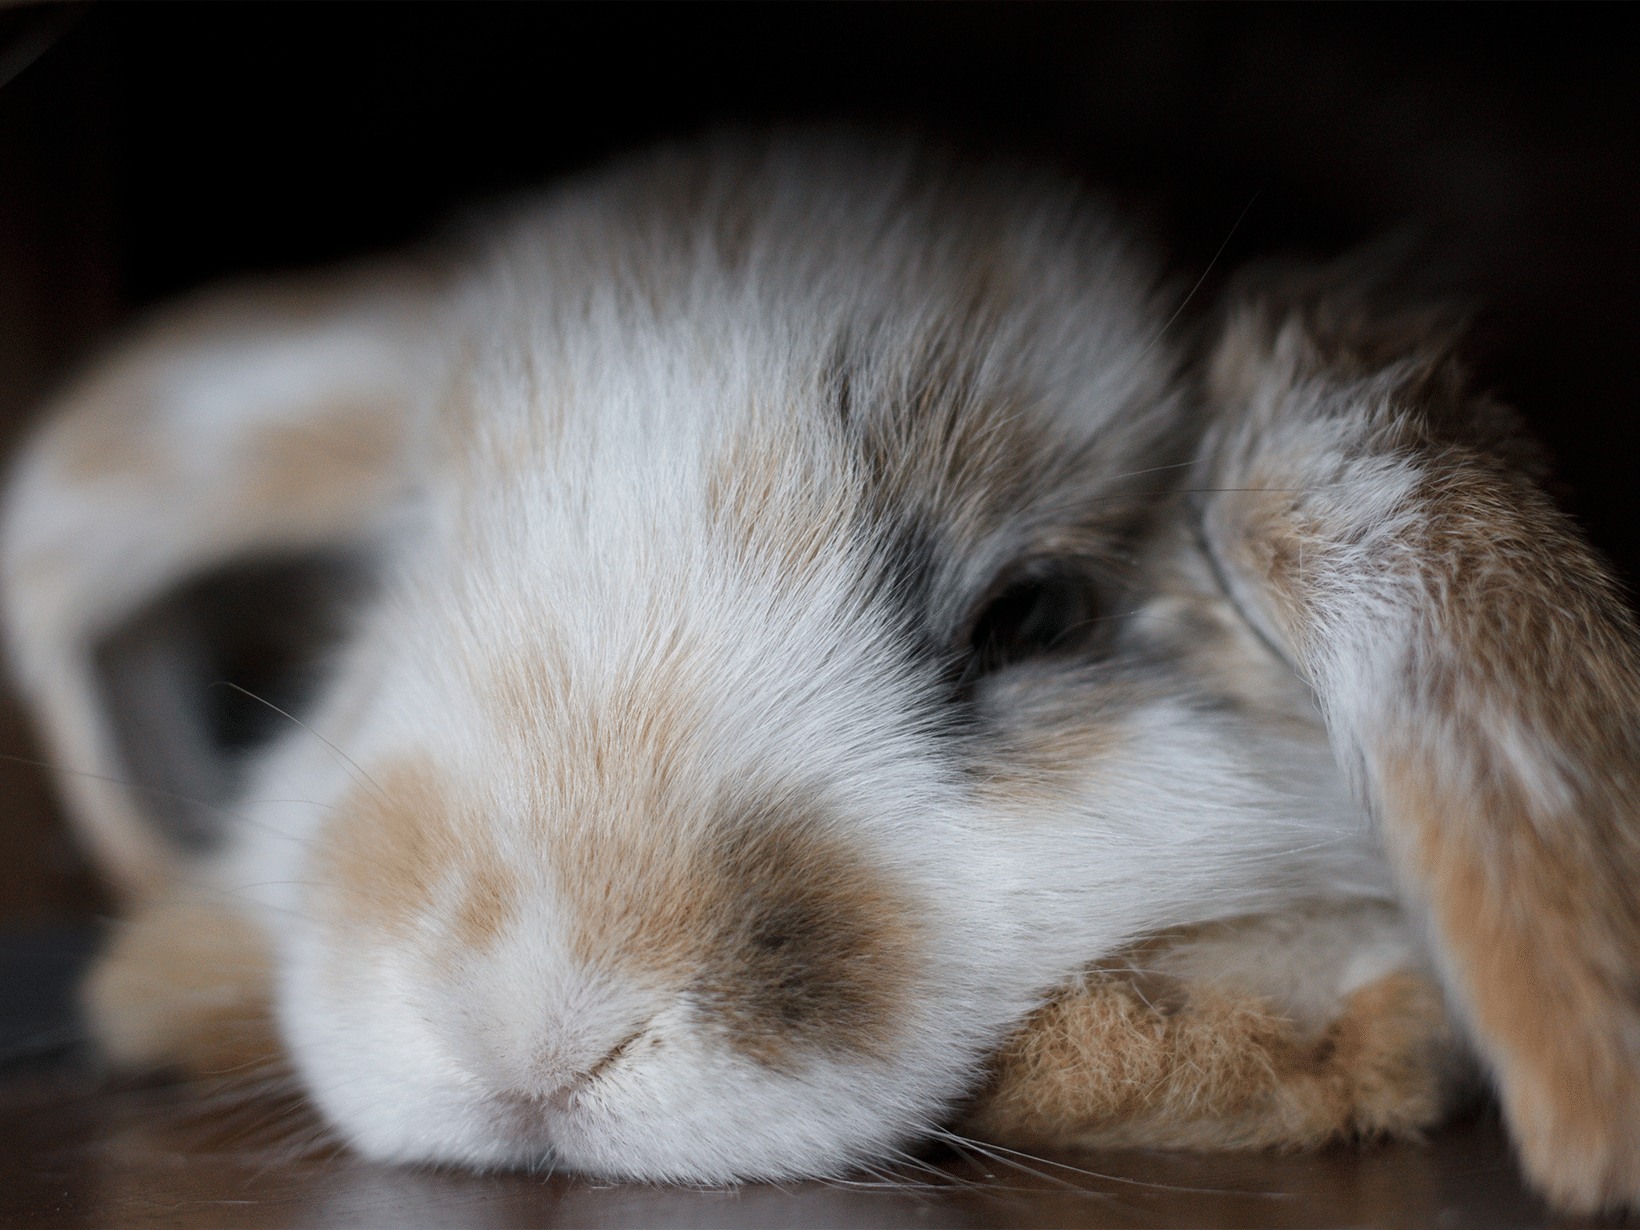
x=348, y=763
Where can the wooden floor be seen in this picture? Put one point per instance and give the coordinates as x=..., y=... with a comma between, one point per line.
x=75, y=1154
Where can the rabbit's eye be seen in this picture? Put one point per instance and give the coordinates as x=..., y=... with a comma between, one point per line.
x=1033, y=615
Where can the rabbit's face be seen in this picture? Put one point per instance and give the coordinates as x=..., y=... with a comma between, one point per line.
x=743, y=735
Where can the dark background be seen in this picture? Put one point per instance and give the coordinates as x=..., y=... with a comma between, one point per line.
x=146, y=148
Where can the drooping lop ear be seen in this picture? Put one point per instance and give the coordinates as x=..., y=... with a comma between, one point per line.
x=1480, y=681
x=198, y=510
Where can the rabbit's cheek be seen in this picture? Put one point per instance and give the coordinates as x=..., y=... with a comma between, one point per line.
x=813, y=949
x=394, y=847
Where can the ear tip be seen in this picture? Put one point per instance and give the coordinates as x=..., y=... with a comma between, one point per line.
x=1372, y=315
x=1587, y=1164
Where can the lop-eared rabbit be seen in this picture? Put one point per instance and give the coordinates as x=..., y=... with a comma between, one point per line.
x=778, y=648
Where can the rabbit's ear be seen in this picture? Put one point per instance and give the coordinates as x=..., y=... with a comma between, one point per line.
x=1479, y=677
x=195, y=514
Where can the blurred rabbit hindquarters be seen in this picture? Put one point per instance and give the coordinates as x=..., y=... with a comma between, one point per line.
x=772, y=648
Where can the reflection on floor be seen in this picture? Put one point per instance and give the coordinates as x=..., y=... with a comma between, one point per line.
x=76, y=1154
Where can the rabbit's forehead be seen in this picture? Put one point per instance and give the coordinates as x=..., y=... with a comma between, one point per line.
x=935, y=455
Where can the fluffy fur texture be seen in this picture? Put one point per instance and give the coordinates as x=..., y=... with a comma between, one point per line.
x=787, y=651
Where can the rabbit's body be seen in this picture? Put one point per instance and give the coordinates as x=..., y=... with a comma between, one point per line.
x=799, y=620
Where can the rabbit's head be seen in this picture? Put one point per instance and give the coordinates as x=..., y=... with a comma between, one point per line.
x=669, y=691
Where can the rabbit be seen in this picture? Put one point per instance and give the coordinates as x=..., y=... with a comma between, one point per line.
x=780, y=647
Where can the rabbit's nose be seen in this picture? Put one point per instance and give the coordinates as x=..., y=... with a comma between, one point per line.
x=533, y=1035
x=556, y=1071
x=579, y=1082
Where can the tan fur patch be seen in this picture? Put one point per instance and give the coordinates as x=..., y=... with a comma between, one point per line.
x=324, y=458
x=774, y=509
x=1112, y=1063
x=186, y=984
x=488, y=902
x=396, y=840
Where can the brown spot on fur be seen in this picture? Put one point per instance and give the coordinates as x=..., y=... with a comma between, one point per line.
x=811, y=948
x=781, y=938
x=777, y=510
x=319, y=461
x=1280, y=545
x=185, y=984
x=323, y=457
x=387, y=847
x=488, y=903
x=1108, y=1063
x=397, y=842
